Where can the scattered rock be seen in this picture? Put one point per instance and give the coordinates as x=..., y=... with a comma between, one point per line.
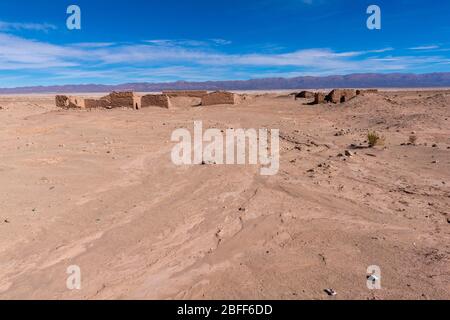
x=354, y=146
x=331, y=292
x=434, y=145
x=348, y=153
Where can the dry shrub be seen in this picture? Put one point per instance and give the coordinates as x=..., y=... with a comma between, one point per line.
x=413, y=139
x=374, y=139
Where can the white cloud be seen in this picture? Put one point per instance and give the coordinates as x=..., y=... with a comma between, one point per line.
x=155, y=60
x=94, y=44
x=18, y=53
x=17, y=26
x=189, y=42
x=425, y=47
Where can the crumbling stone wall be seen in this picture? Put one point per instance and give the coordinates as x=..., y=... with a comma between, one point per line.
x=359, y=92
x=186, y=93
x=68, y=102
x=113, y=100
x=340, y=95
x=62, y=101
x=319, y=97
x=96, y=103
x=126, y=99
x=305, y=95
x=153, y=100
x=219, y=97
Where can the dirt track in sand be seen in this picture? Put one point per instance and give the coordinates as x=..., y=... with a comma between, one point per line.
x=98, y=190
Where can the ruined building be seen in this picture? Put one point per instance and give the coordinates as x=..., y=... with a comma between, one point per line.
x=123, y=100
x=304, y=95
x=156, y=100
x=340, y=95
x=219, y=97
x=114, y=100
x=69, y=102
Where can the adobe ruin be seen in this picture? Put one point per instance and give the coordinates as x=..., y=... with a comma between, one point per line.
x=71, y=102
x=305, y=95
x=364, y=91
x=96, y=103
x=125, y=99
x=156, y=100
x=114, y=100
x=340, y=95
x=319, y=98
x=219, y=97
x=68, y=102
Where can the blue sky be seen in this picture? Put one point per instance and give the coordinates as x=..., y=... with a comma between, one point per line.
x=196, y=40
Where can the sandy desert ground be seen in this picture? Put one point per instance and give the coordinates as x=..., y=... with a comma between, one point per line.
x=97, y=189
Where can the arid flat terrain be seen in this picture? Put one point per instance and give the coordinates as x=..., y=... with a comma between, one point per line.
x=98, y=189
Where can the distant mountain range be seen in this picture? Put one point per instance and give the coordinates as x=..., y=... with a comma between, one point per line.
x=363, y=80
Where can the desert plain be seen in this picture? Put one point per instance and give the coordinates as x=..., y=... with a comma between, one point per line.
x=97, y=189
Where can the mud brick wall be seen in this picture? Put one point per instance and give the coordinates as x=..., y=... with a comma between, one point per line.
x=305, y=95
x=341, y=95
x=319, y=98
x=358, y=92
x=219, y=98
x=67, y=102
x=124, y=100
x=96, y=103
x=152, y=100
